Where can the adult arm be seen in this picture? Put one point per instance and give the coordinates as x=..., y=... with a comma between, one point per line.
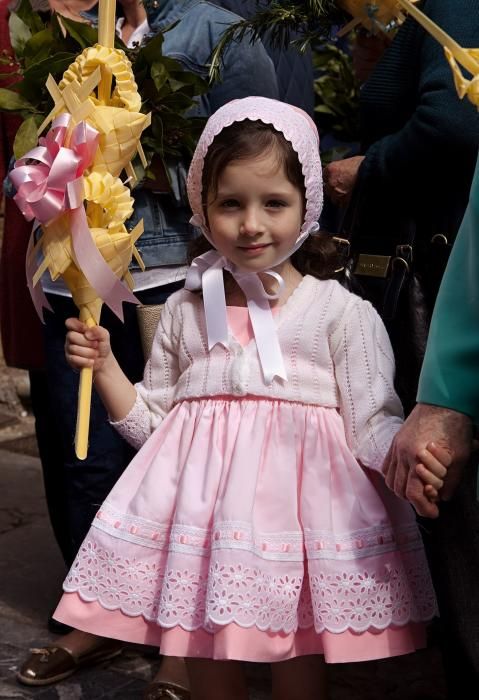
x=440, y=123
x=450, y=373
x=449, y=382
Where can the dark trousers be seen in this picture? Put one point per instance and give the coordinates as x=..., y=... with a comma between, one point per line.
x=452, y=544
x=49, y=441
x=75, y=489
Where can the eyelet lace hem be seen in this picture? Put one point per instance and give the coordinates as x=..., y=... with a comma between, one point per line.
x=202, y=585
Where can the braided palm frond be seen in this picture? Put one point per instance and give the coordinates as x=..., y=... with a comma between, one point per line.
x=308, y=21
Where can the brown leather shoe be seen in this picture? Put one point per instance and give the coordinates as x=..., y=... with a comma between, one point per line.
x=52, y=664
x=165, y=690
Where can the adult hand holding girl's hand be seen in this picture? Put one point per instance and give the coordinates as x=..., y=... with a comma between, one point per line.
x=86, y=347
x=450, y=432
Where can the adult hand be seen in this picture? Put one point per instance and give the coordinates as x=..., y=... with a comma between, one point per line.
x=339, y=179
x=449, y=430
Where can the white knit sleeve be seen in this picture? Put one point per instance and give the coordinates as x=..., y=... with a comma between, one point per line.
x=155, y=392
x=364, y=366
x=135, y=427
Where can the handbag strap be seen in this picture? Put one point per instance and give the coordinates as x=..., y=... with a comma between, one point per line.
x=400, y=268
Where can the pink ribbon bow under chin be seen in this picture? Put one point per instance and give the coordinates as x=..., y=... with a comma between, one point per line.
x=49, y=182
x=206, y=273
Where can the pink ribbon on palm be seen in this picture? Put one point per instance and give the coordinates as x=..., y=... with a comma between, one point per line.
x=53, y=184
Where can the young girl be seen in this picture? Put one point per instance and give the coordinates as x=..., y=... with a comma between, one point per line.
x=254, y=523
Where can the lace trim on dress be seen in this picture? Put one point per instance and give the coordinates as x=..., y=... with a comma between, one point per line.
x=172, y=586
x=235, y=535
x=135, y=427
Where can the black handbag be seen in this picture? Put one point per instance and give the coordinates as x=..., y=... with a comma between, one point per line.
x=400, y=274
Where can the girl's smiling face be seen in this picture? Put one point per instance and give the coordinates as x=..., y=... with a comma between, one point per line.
x=256, y=214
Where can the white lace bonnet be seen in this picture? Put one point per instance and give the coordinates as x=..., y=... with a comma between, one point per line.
x=296, y=126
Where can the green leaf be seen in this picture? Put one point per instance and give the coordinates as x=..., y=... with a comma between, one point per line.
x=157, y=129
x=26, y=137
x=55, y=65
x=159, y=74
x=176, y=101
x=29, y=17
x=11, y=101
x=336, y=93
x=38, y=47
x=152, y=50
x=83, y=34
x=58, y=31
x=20, y=33
x=193, y=84
x=322, y=109
x=172, y=65
x=175, y=85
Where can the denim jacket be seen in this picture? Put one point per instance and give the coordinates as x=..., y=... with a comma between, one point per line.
x=247, y=70
x=294, y=69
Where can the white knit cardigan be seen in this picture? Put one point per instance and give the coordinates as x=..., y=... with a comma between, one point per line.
x=336, y=351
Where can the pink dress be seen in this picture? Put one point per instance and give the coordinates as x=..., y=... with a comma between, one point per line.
x=227, y=539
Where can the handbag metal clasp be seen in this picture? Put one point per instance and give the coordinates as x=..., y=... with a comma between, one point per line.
x=404, y=250
x=403, y=256
x=439, y=238
x=372, y=265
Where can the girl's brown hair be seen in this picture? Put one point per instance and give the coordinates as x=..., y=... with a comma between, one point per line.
x=248, y=139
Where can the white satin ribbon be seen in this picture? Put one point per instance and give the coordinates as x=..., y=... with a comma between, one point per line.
x=206, y=272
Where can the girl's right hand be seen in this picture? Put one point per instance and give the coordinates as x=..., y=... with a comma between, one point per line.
x=432, y=470
x=86, y=347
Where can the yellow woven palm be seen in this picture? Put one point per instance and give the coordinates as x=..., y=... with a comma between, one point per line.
x=116, y=248
x=120, y=121
x=98, y=88
x=373, y=14
x=459, y=57
x=108, y=201
x=379, y=14
x=464, y=86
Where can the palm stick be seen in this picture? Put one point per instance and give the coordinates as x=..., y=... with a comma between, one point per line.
x=459, y=53
x=86, y=377
x=84, y=399
x=106, y=37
